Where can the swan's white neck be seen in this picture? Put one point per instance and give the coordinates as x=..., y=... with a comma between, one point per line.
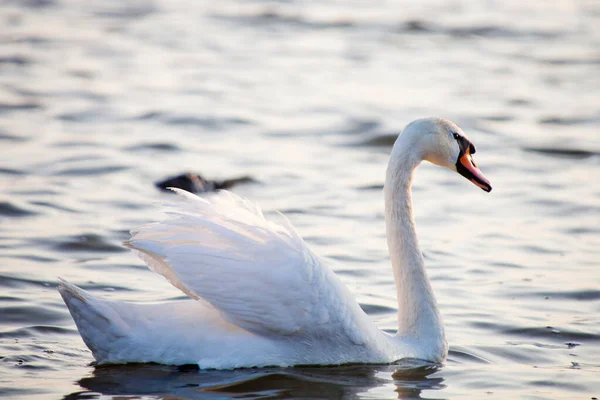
x=418, y=315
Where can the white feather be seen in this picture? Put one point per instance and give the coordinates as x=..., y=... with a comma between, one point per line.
x=258, y=274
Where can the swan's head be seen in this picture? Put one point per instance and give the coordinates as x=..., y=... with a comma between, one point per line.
x=443, y=143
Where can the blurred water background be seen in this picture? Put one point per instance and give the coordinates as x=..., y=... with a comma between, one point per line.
x=99, y=99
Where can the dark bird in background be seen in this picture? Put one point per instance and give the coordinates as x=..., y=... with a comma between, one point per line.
x=195, y=183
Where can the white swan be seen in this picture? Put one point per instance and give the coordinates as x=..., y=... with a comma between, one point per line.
x=260, y=297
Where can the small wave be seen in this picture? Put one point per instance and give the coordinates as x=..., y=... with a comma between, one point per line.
x=519, y=101
x=206, y=122
x=581, y=230
x=33, y=257
x=416, y=25
x=11, y=210
x=277, y=17
x=214, y=123
x=81, y=73
x=95, y=115
x=292, y=211
x=13, y=282
x=36, y=3
x=420, y=26
x=382, y=140
x=14, y=392
x=130, y=10
x=36, y=330
x=539, y=249
x=48, y=329
x=80, y=94
x=569, y=61
x=375, y=186
x=582, y=295
x=563, y=152
x=346, y=258
x=11, y=138
x=88, y=242
x=31, y=314
x=19, y=333
x=411, y=368
x=15, y=60
x=492, y=31
x=546, y=332
x=506, y=265
x=161, y=146
x=149, y=115
x=12, y=171
x=87, y=171
x=6, y=107
x=10, y=299
x=553, y=333
x=376, y=309
x=79, y=144
x=54, y=206
x=460, y=355
x=558, y=384
x=554, y=120
x=361, y=126
x=498, y=118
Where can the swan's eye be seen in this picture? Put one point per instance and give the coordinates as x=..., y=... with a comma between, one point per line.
x=456, y=136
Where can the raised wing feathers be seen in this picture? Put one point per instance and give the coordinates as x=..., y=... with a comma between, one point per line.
x=259, y=274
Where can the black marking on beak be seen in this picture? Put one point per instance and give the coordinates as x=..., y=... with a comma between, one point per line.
x=466, y=166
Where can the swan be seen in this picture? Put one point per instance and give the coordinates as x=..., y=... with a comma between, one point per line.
x=259, y=296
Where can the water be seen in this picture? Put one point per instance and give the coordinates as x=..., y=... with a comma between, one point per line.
x=100, y=99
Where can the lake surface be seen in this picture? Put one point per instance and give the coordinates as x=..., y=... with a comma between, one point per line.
x=99, y=99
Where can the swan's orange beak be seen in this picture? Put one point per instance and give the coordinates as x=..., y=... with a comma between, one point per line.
x=467, y=168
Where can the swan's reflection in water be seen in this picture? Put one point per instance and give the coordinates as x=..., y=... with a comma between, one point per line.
x=341, y=382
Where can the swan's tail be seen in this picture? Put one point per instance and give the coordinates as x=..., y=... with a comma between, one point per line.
x=98, y=323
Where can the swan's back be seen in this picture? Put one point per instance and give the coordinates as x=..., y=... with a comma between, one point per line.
x=252, y=281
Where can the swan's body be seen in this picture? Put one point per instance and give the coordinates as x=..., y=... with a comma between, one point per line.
x=259, y=296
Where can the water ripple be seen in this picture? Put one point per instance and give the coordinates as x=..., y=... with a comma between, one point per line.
x=90, y=171
x=36, y=330
x=272, y=17
x=21, y=282
x=33, y=314
x=5, y=107
x=581, y=295
x=563, y=152
x=161, y=146
x=208, y=122
x=11, y=210
x=15, y=60
x=88, y=242
x=552, y=333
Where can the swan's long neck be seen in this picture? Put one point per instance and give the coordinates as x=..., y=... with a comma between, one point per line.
x=418, y=315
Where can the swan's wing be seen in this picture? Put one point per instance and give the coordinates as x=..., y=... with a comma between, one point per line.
x=259, y=274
